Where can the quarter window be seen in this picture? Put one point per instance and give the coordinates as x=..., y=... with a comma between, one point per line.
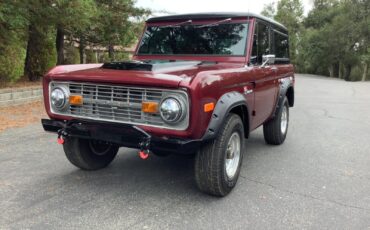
x=281, y=45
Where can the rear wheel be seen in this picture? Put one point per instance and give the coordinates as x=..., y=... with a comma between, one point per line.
x=218, y=163
x=89, y=154
x=275, y=130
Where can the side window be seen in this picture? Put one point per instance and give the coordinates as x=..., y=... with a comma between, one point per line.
x=281, y=43
x=261, y=43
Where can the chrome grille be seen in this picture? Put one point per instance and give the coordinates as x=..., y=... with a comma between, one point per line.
x=117, y=103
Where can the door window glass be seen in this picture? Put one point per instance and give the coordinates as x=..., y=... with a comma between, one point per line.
x=261, y=43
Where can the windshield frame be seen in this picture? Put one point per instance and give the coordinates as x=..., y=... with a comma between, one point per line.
x=235, y=58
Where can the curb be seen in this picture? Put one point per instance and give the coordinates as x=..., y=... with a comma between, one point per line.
x=19, y=96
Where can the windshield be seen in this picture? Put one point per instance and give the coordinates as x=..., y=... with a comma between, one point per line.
x=222, y=40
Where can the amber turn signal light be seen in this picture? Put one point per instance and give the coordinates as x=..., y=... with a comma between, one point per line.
x=209, y=107
x=149, y=107
x=76, y=100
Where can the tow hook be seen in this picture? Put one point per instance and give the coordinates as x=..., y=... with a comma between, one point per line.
x=144, y=154
x=61, y=136
x=144, y=148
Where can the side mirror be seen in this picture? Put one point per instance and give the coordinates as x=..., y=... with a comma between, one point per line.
x=268, y=60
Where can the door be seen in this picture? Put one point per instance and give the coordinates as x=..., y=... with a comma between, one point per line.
x=265, y=78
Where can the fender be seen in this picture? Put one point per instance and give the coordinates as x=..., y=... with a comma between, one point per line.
x=285, y=85
x=225, y=104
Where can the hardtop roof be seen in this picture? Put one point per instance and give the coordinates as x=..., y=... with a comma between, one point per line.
x=218, y=15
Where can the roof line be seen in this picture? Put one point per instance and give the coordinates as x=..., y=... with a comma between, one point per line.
x=214, y=15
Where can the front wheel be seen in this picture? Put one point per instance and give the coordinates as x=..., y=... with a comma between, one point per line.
x=218, y=163
x=89, y=154
x=275, y=130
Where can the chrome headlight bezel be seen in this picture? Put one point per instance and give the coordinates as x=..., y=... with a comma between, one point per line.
x=62, y=90
x=178, y=114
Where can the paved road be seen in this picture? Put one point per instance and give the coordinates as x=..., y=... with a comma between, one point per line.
x=319, y=179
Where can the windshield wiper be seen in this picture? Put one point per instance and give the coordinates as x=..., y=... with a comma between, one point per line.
x=179, y=24
x=215, y=23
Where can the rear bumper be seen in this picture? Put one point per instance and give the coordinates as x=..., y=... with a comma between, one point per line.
x=121, y=134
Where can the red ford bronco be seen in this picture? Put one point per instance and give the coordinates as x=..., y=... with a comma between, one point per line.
x=198, y=85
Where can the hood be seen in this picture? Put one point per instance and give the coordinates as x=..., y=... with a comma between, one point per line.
x=163, y=74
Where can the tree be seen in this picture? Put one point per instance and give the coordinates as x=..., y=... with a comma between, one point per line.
x=269, y=10
x=70, y=17
x=12, y=45
x=40, y=54
x=118, y=23
x=290, y=14
x=342, y=35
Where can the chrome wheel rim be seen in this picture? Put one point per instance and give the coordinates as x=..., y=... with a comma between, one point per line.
x=99, y=148
x=284, y=120
x=232, y=155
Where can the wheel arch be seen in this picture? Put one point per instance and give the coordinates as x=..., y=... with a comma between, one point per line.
x=243, y=112
x=290, y=95
x=232, y=102
x=286, y=89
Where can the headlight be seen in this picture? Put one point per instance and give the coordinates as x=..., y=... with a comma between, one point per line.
x=58, y=98
x=172, y=110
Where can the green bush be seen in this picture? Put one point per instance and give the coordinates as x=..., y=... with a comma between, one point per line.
x=356, y=73
x=72, y=55
x=91, y=56
x=104, y=57
x=118, y=56
x=12, y=59
x=121, y=56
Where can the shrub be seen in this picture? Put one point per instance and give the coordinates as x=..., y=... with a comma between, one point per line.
x=72, y=55
x=356, y=73
x=91, y=56
x=12, y=59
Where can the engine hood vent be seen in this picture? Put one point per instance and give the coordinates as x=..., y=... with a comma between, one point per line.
x=151, y=66
x=140, y=66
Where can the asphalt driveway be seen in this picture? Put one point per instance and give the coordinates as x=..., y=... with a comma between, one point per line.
x=319, y=179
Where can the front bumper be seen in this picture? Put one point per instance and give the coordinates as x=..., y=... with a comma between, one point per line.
x=121, y=134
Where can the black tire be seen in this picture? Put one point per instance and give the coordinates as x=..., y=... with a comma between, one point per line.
x=89, y=155
x=272, y=130
x=210, y=162
x=161, y=154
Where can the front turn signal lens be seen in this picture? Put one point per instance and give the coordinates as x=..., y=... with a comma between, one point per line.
x=209, y=107
x=76, y=100
x=149, y=107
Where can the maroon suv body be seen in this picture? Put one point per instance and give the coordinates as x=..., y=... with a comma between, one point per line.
x=198, y=84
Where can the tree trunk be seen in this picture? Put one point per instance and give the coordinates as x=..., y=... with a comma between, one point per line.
x=347, y=72
x=336, y=69
x=340, y=71
x=364, y=75
x=27, y=60
x=331, y=71
x=111, y=52
x=82, y=50
x=59, y=43
x=36, y=62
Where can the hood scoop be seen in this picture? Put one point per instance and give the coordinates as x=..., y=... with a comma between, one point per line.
x=147, y=66
x=140, y=66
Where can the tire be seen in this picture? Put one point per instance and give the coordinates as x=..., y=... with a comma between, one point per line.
x=276, y=130
x=161, y=154
x=88, y=154
x=211, y=173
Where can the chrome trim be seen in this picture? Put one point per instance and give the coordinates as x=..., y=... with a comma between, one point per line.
x=120, y=104
x=183, y=108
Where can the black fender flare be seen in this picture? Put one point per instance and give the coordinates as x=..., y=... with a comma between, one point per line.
x=285, y=84
x=224, y=105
